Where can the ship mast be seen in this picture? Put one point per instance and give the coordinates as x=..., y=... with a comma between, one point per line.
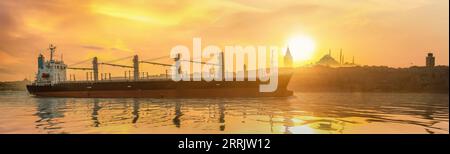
x=52, y=51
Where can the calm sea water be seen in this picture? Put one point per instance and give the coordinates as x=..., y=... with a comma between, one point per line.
x=302, y=113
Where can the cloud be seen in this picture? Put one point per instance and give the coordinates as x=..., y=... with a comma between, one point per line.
x=369, y=29
x=92, y=47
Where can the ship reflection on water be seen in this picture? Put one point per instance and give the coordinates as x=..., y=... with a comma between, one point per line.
x=115, y=113
x=303, y=113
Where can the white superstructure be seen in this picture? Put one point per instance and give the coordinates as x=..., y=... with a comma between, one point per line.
x=51, y=71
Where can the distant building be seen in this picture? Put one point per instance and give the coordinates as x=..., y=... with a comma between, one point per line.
x=430, y=60
x=288, y=62
x=327, y=60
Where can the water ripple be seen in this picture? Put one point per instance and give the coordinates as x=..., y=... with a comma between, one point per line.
x=303, y=113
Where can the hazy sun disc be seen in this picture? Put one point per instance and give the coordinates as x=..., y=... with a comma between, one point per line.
x=302, y=48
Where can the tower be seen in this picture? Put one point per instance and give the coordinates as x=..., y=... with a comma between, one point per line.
x=288, y=59
x=429, y=60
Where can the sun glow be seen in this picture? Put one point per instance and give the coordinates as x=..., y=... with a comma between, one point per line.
x=301, y=47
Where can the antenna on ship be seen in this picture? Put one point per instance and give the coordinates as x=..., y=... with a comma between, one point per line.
x=52, y=51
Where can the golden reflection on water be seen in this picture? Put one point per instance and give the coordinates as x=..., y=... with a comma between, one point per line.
x=305, y=113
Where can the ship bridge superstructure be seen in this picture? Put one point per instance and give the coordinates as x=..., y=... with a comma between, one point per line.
x=51, y=71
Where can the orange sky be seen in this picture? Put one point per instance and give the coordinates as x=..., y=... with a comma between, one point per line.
x=395, y=33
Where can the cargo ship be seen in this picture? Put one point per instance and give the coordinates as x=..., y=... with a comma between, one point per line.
x=51, y=81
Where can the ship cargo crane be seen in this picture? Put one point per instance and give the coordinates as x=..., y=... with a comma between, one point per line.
x=71, y=66
x=95, y=64
x=135, y=65
x=150, y=61
x=201, y=62
x=155, y=63
x=177, y=59
x=116, y=65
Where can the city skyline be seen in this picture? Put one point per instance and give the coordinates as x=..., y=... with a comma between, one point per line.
x=389, y=33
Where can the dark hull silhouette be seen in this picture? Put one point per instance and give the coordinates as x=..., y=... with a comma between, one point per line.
x=160, y=89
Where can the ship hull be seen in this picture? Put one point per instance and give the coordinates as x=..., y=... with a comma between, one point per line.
x=160, y=89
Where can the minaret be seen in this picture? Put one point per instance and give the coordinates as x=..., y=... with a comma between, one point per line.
x=288, y=59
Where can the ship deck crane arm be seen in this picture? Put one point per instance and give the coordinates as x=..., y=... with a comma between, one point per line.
x=201, y=62
x=116, y=65
x=155, y=63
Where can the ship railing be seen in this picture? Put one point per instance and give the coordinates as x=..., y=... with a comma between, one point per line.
x=41, y=83
x=118, y=80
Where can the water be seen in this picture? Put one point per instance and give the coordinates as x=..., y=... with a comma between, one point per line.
x=303, y=113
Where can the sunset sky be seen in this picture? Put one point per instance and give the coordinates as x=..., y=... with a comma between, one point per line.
x=395, y=33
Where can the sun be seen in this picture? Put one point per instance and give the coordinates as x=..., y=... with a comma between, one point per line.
x=301, y=47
